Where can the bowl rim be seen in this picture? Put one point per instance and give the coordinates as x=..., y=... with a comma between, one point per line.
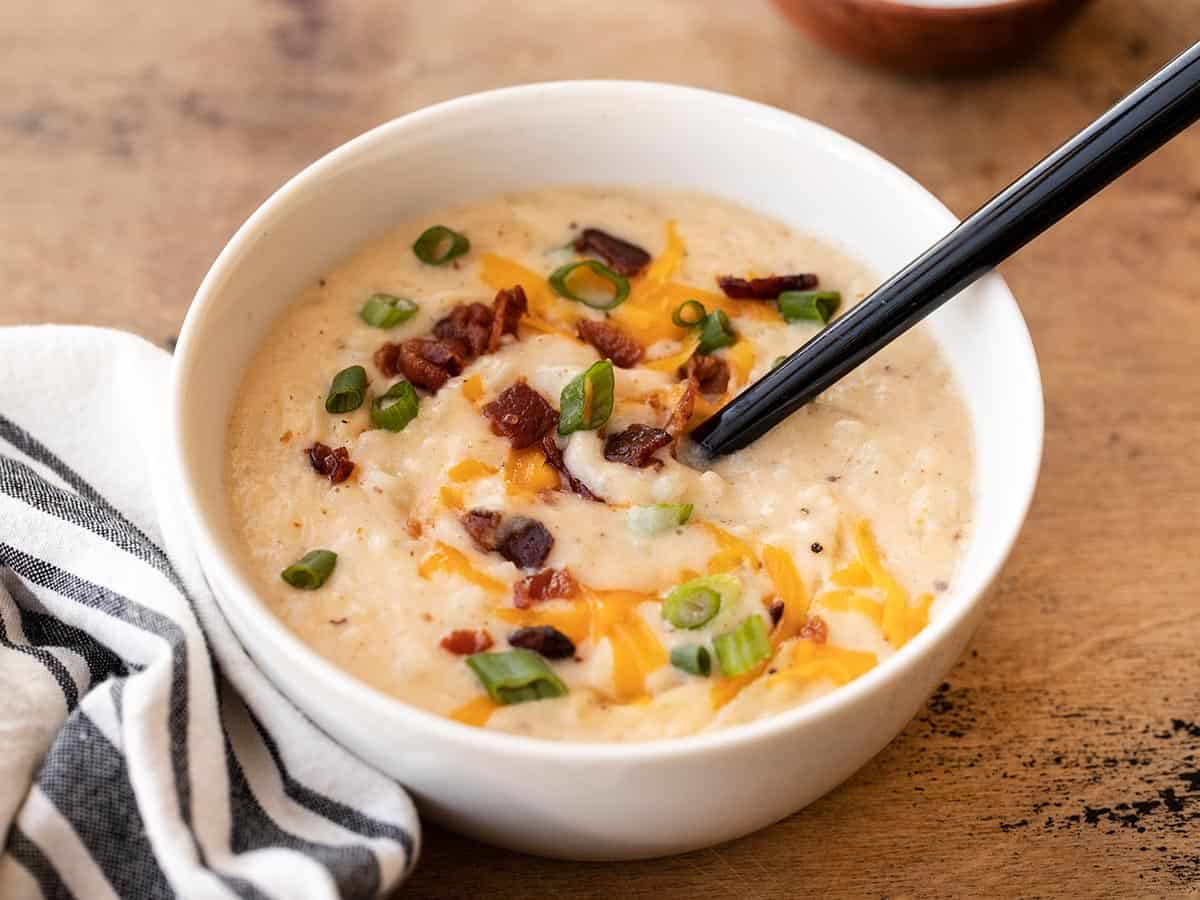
x=375, y=703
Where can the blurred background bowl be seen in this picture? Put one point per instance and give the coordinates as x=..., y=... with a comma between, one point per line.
x=931, y=36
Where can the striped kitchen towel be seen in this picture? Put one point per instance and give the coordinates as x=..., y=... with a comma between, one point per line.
x=142, y=754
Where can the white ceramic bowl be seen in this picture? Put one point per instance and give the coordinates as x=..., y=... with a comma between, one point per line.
x=604, y=801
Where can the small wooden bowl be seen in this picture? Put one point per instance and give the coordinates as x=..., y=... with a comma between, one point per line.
x=924, y=38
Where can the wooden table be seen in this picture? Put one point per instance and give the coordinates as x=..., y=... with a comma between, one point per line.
x=1062, y=756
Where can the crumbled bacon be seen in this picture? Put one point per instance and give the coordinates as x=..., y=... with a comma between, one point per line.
x=426, y=362
x=768, y=288
x=622, y=257
x=466, y=332
x=636, y=446
x=524, y=542
x=470, y=323
x=545, y=640
x=520, y=414
x=548, y=584
x=414, y=528
x=684, y=407
x=555, y=459
x=815, y=630
x=711, y=373
x=775, y=611
x=333, y=464
x=482, y=525
x=610, y=341
x=508, y=307
x=465, y=641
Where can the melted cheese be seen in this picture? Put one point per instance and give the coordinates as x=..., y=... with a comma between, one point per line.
x=447, y=560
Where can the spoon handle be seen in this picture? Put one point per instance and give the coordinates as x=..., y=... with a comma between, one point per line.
x=1160, y=108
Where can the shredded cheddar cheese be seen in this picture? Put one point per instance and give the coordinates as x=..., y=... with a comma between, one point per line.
x=814, y=662
x=848, y=601
x=470, y=470
x=675, y=361
x=732, y=551
x=790, y=588
x=451, y=497
x=472, y=388
x=853, y=575
x=741, y=359
x=475, y=712
x=447, y=560
x=527, y=473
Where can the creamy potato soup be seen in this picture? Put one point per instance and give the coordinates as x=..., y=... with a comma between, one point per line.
x=459, y=469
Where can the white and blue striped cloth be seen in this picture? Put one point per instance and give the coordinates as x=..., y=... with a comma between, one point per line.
x=142, y=755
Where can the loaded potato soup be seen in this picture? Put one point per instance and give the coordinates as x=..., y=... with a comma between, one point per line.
x=459, y=469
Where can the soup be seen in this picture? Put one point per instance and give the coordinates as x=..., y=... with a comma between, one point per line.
x=465, y=450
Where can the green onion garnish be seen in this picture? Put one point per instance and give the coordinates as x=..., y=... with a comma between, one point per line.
x=809, y=306
x=696, y=602
x=516, y=676
x=587, y=402
x=396, y=407
x=620, y=284
x=693, y=659
x=742, y=649
x=347, y=390
x=658, y=518
x=689, y=314
x=716, y=332
x=310, y=571
x=387, y=310
x=438, y=245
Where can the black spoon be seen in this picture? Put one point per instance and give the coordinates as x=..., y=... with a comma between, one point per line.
x=1160, y=108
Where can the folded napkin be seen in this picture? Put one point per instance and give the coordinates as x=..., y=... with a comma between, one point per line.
x=142, y=754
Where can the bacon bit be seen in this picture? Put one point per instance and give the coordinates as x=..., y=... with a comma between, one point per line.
x=768, y=288
x=285, y=437
x=508, y=307
x=469, y=323
x=413, y=527
x=711, y=373
x=387, y=359
x=548, y=584
x=610, y=341
x=482, y=525
x=464, y=641
x=334, y=464
x=622, y=257
x=775, y=610
x=815, y=630
x=545, y=640
x=524, y=542
x=636, y=446
x=555, y=459
x=682, y=413
x=520, y=414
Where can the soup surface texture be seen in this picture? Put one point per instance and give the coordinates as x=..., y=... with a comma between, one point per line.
x=805, y=559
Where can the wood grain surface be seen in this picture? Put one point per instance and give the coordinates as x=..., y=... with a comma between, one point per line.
x=1062, y=756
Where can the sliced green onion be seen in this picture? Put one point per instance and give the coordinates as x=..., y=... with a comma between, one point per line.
x=809, y=306
x=778, y=361
x=387, y=310
x=716, y=332
x=516, y=676
x=587, y=402
x=697, y=602
x=742, y=649
x=689, y=314
x=438, y=245
x=347, y=390
x=658, y=518
x=396, y=407
x=620, y=285
x=693, y=659
x=310, y=571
